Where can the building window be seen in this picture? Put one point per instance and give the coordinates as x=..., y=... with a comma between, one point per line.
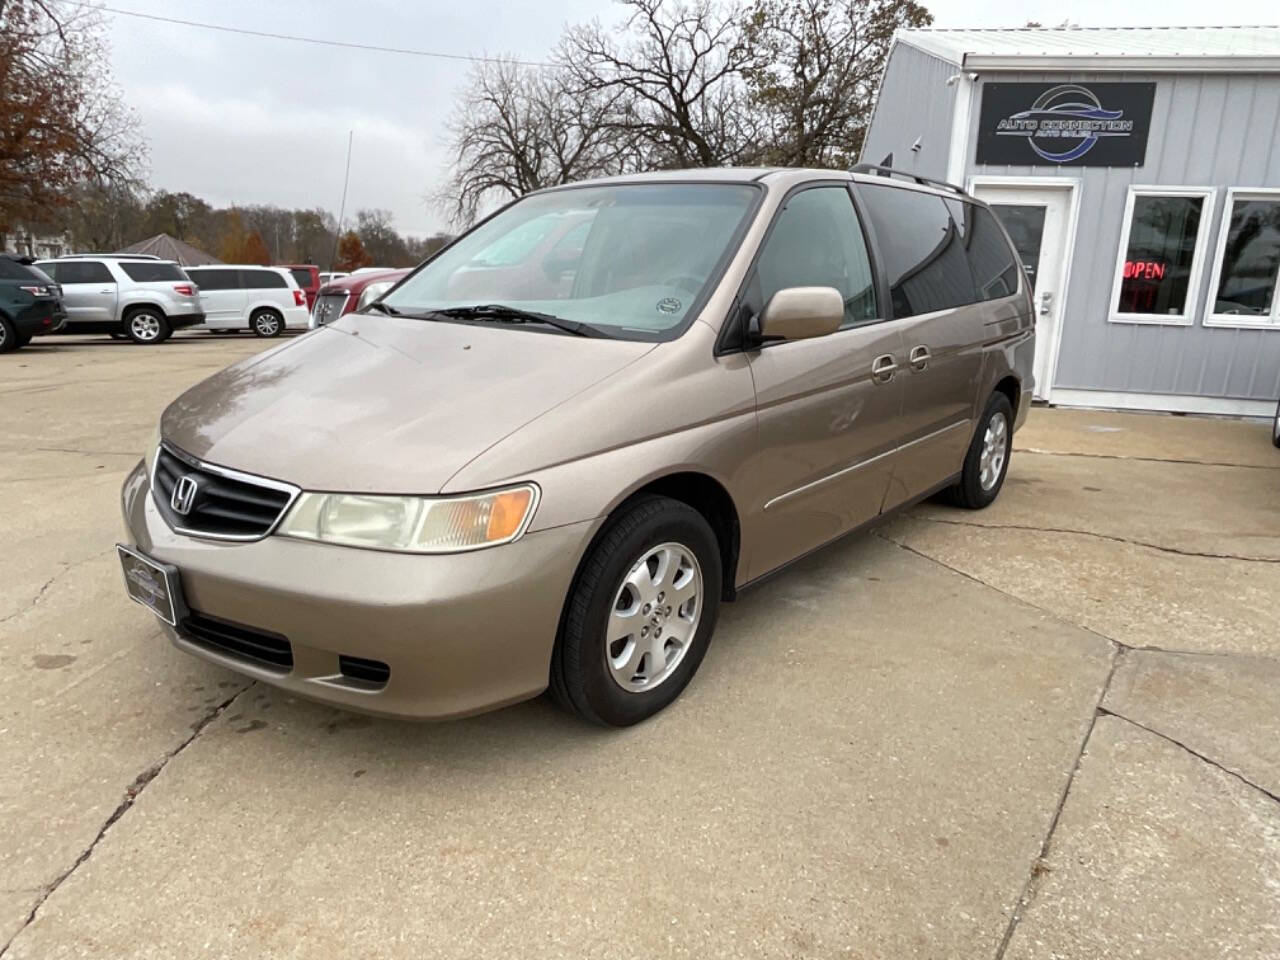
x=1242, y=291
x=1161, y=253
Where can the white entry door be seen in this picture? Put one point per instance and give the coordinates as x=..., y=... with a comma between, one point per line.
x=1038, y=219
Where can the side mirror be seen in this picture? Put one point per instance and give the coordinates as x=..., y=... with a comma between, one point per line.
x=798, y=313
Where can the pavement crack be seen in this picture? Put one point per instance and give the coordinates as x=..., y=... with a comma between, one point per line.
x=1115, y=456
x=1112, y=538
x=1004, y=593
x=1104, y=711
x=131, y=794
x=67, y=567
x=1027, y=893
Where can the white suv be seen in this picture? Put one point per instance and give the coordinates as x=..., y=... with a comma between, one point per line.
x=141, y=297
x=265, y=300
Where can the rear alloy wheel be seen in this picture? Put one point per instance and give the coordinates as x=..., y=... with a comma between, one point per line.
x=266, y=323
x=147, y=326
x=987, y=461
x=640, y=616
x=8, y=337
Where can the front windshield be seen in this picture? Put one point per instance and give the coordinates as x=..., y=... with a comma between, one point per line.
x=629, y=259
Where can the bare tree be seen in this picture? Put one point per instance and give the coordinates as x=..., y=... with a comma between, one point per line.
x=520, y=128
x=62, y=123
x=675, y=72
x=814, y=69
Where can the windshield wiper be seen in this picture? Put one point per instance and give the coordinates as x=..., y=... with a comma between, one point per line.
x=502, y=313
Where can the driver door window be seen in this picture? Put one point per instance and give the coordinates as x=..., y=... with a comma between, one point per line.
x=818, y=242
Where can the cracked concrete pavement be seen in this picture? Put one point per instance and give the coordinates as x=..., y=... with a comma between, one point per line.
x=1044, y=730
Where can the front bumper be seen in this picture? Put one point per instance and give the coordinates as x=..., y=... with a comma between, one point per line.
x=462, y=633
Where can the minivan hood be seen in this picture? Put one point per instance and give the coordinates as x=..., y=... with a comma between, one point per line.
x=382, y=404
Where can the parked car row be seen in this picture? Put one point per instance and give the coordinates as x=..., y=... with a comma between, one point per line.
x=145, y=299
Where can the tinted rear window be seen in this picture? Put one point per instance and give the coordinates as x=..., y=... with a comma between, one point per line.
x=303, y=277
x=151, y=272
x=992, y=262
x=262, y=280
x=12, y=270
x=922, y=249
x=84, y=271
x=214, y=279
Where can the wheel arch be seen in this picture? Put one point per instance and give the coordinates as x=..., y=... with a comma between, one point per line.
x=135, y=305
x=1011, y=387
x=707, y=495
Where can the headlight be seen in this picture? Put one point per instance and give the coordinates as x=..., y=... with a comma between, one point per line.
x=372, y=292
x=152, y=447
x=413, y=524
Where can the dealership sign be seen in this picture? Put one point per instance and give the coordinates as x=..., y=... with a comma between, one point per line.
x=1065, y=124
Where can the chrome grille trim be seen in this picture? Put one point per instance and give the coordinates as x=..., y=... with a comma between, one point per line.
x=292, y=492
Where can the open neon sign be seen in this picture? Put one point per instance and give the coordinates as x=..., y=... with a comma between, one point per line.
x=1144, y=269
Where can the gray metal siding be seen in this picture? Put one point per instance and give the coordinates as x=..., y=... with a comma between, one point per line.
x=1206, y=130
x=914, y=102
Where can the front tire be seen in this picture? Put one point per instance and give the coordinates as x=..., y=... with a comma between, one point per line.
x=987, y=461
x=147, y=326
x=266, y=323
x=640, y=616
x=8, y=336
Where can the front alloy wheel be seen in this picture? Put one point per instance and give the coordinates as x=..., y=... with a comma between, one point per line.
x=655, y=617
x=639, y=618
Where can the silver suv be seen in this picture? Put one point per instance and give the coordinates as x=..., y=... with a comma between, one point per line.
x=140, y=297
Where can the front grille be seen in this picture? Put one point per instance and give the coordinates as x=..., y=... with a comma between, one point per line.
x=329, y=307
x=236, y=640
x=224, y=504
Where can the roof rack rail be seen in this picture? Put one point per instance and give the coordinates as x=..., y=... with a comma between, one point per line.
x=108, y=256
x=879, y=171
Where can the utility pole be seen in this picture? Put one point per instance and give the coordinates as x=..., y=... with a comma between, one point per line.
x=342, y=210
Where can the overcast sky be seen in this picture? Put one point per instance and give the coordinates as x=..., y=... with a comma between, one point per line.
x=238, y=119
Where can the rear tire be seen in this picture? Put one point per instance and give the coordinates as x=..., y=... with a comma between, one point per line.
x=987, y=461
x=1275, y=427
x=266, y=323
x=147, y=325
x=640, y=615
x=8, y=336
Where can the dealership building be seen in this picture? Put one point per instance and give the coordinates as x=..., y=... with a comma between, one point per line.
x=1138, y=173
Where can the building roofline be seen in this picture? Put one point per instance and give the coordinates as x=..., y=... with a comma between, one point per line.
x=941, y=43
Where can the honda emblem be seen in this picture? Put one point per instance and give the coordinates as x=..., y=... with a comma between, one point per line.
x=184, y=494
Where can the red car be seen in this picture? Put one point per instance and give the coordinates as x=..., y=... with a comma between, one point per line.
x=352, y=292
x=308, y=277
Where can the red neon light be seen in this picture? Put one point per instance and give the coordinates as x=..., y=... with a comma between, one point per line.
x=1144, y=270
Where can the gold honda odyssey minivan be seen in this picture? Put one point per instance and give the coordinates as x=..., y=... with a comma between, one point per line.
x=548, y=454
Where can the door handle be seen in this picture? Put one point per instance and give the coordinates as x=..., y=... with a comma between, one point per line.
x=919, y=358
x=107, y=290
x=883, y=368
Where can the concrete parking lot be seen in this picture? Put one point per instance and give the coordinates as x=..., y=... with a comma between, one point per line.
x=1050, y=729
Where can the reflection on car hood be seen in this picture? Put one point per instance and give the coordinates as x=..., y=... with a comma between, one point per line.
x=385, y=405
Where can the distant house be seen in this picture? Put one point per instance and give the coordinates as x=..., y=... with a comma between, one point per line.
x=36, y=241
x=171, y=248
